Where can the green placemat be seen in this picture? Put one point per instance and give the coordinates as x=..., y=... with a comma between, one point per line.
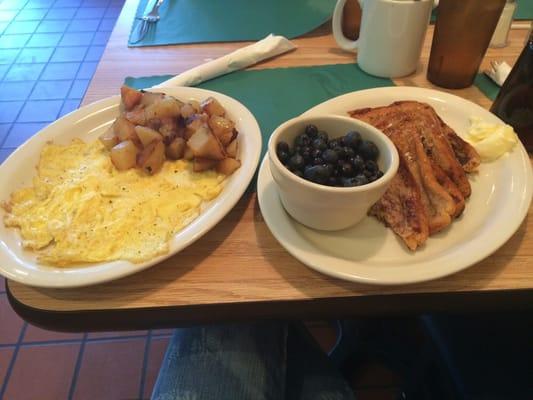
x=276, y=95
x=524, y=10
x=200, y=21
x=487, y=86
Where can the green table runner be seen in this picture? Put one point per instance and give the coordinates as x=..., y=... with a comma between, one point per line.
x=524, y=10
x=276, y=95
x=200, y=21
x=487, y=86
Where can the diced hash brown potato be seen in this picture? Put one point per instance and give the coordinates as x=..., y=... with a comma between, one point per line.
x=187, y=110
x=130, y=97
x=202, y=164
x=168, y=107
x=193, y=123
x=109, y=139
x=232, y=148
x=149, y=98
x=188, y=154
x=211, y=107
x=125, y=130
x=154, y=126
x=136, y=116
x=151, y=158
x=147, y=135
x=223, y=129
x=124, y=155
x=228, y=165
x=169, y=128
x=206, y=145
x=176, y=148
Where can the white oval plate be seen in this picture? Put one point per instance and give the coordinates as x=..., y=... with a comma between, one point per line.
x=88, y=123
x=371, y=253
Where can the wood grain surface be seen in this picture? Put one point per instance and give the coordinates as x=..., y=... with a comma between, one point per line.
x=239, y=262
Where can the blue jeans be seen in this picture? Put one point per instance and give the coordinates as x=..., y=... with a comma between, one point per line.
x=248, y=362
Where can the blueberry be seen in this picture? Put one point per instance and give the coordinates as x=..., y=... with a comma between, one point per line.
x=341, y=154
x=306, y=154
x=320, y=144
x=372, y=178
x=282, y=146
x=352, y=139
x=322, y=135
x=358, y=163
x=283, y=156
x=330, y=168
x=368, y=150
x=316, y=173
x=371, y=166
x=357, y=180
x=333, y=143
x=361, y=180
x=348, y=151
x=299, y=173
x=367, y=173
x=311, y=131
x=297, y=149
x=318, y=161
x=296, y=162
x=330, y=156
x=302, y=140
x=333, y=181
x=347, y=169
x=316, y=153
x=349, y=182
x=379, y=174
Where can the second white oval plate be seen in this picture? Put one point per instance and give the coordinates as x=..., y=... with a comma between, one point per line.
x=88, y=123
x=371, y=253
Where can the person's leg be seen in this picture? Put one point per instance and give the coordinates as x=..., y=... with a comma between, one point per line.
x=226, y=362
x=310, y=373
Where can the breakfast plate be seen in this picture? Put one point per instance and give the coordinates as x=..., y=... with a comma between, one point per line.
x=371, y=253
x=88, y=123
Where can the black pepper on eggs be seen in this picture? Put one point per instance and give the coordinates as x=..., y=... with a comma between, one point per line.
x=344, y=161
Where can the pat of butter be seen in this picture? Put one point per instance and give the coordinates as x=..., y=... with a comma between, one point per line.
x=491, y=141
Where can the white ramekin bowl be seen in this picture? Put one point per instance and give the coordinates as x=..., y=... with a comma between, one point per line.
x=325, y=207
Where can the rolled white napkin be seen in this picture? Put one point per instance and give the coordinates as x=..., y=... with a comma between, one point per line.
x=268, y=47
x=498, y=72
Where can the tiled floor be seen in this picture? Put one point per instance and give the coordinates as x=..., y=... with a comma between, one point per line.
x=49, y=50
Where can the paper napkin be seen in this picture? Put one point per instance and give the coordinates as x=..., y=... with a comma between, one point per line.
x=268, y=47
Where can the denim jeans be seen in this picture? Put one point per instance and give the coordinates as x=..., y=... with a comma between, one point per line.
x=274, y=361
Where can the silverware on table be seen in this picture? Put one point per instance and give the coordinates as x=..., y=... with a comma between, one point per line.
x=149, y=19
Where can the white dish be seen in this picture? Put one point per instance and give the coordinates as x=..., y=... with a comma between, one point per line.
x=88, y=123
x=371, y=253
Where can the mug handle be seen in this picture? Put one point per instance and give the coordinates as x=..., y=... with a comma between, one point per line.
x=336, y=24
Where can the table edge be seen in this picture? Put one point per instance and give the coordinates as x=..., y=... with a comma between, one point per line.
x=404, y=304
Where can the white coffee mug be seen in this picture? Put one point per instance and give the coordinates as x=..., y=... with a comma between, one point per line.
x=391, y=35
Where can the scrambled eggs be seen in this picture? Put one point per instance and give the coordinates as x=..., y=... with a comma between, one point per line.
x=81, y=209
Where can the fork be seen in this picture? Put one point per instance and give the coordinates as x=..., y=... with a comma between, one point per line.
x=148, y=21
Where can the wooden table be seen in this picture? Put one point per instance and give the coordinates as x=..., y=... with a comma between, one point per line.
x=238, y=271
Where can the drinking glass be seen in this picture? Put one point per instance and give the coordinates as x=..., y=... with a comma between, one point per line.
x=462, y=34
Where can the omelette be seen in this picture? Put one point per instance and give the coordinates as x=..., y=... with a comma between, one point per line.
x=81, y=209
